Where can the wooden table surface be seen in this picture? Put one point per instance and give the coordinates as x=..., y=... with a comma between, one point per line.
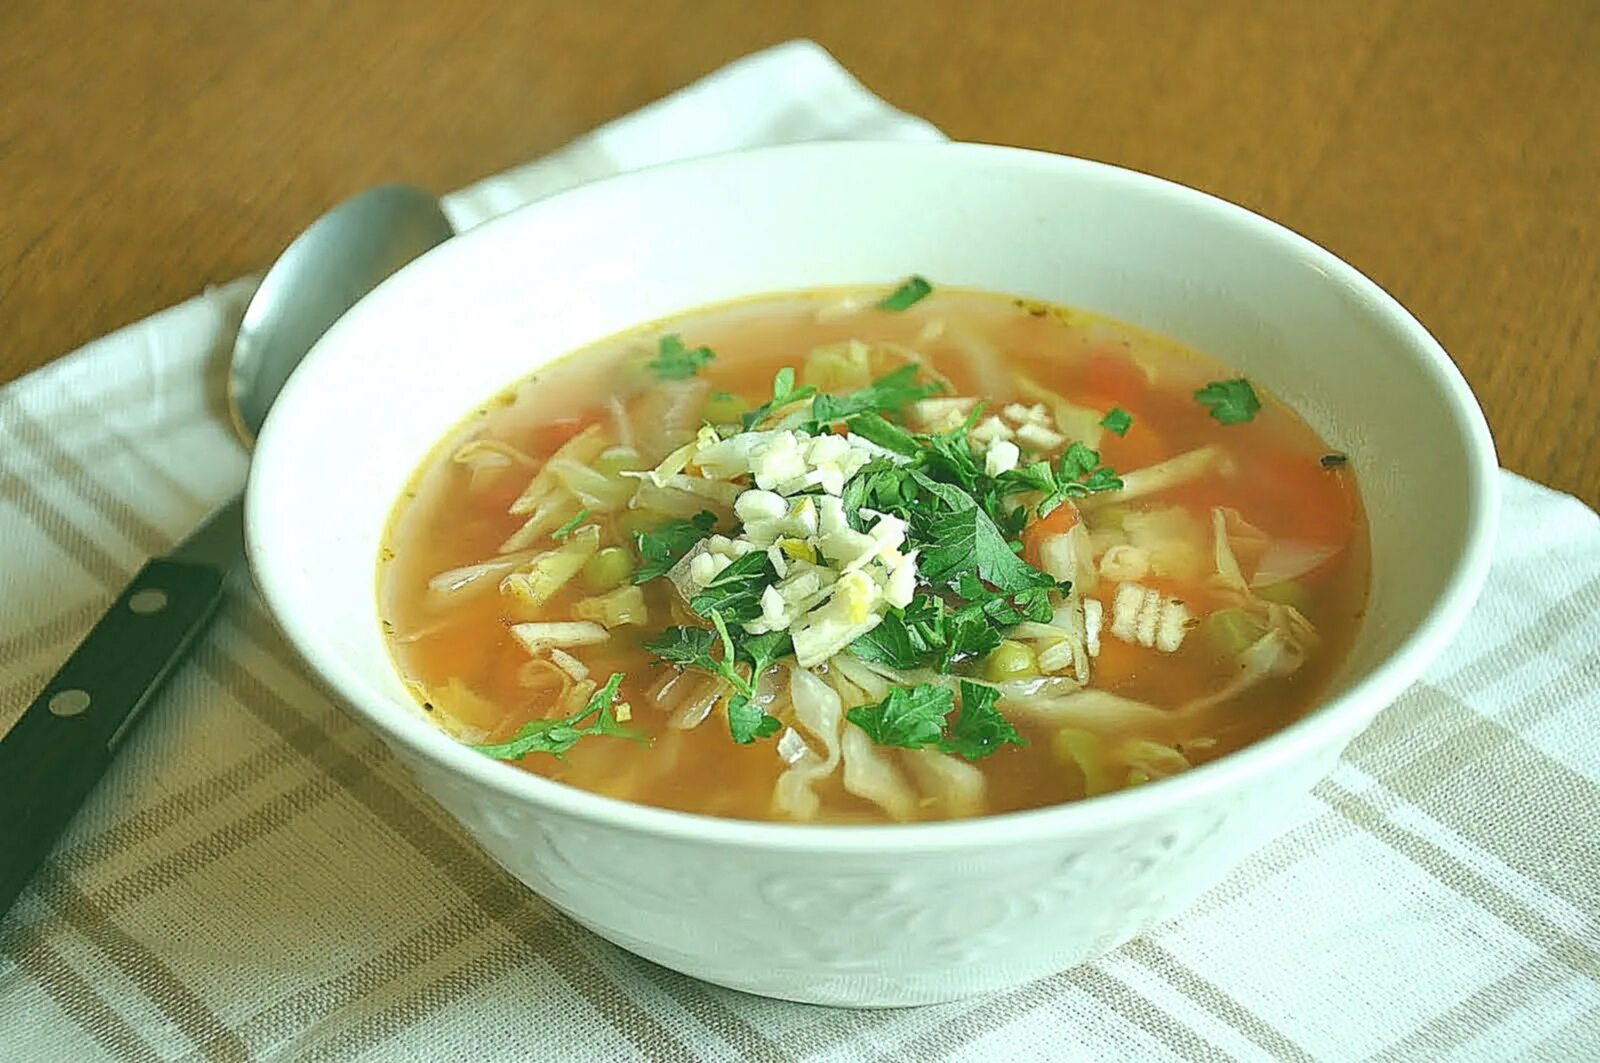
x=1448, y=148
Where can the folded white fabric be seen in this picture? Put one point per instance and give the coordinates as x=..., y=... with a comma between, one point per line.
x=256, y=879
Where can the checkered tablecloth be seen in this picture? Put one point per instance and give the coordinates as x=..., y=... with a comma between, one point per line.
x=256, y=878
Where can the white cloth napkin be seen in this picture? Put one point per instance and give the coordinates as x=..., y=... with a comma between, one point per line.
x=256, y=879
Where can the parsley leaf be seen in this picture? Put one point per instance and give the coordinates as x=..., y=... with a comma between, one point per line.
x=910, y=717
x=913, y=291
x=559, y=735
x=760, y=652
x=674, y=361
x=735, y=593
x=686, y=647
x=784, y=393
x=967, y=542
x=747, y=722
x=1117, y=420
x=979, y=728
x=570, y=526
x=690, y=647
x=905, y=638
x=890, y=393
x=1077, y=473
x=663, y=547
x=889, y=436
x=1230, y=401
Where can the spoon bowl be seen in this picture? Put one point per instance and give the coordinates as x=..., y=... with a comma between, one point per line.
x=327, y=269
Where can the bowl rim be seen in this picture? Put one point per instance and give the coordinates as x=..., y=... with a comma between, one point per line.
x=1333, y=720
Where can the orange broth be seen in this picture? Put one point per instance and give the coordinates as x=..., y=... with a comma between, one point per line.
x=475, y=678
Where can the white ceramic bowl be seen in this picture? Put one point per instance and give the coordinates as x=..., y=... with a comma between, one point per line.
x=888, y=915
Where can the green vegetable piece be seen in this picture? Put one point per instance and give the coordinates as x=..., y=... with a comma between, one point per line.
x=664, y=546
x=979, y=729
x=1086, y=752
x=557, y=736
x=1229, y=632
x=614, y=461
x=1230, y=401
x=608, y=569
x=1010, y=660
x=1288, y=592
x=723, y=408
x=913, y=291
x=910, y=717
x=674, y=361
x=570, y=526
x=1334, y=460
x=1117, y=420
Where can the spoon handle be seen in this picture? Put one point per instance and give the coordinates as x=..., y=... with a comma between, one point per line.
x=52, y=758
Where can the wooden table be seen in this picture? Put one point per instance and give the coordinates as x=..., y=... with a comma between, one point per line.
x=1448, y=148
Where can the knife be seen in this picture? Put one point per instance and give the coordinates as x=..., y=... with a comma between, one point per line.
x=61, y=746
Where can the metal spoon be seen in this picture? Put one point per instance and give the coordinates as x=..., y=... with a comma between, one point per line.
x=52, y=758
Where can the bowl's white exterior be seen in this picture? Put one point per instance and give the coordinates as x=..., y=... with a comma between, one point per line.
x=870, y=915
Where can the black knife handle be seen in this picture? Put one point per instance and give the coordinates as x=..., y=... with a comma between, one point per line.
x=52, y=758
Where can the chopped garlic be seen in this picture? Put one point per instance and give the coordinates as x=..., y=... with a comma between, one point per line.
x=940, y=414
x=1019, y=414
x=1038, y=437
x=988, y=430
x=901, y=585
x=760, y=505
x=1001, y=457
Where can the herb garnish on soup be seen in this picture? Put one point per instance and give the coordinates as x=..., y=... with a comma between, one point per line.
x=874, y=556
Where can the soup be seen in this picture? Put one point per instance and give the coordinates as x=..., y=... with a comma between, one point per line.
x=869, y=556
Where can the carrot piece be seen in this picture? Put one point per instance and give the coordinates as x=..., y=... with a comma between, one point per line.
x=1059, y=521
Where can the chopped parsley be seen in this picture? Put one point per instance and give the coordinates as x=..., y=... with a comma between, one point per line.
x=674, y=361
x=663, y=547
x=690, y=647
x=784, y=393
x=1117, y=420
x=735, y=592
x=1076, y=473
x=915, y=717
x=1334, y=460
x=910, y=717
x=570, y=526
x=913, y=291
x=555, y=737
x=888, y=394
x=979, y=728
x=965, y=543
x=1230, y=401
